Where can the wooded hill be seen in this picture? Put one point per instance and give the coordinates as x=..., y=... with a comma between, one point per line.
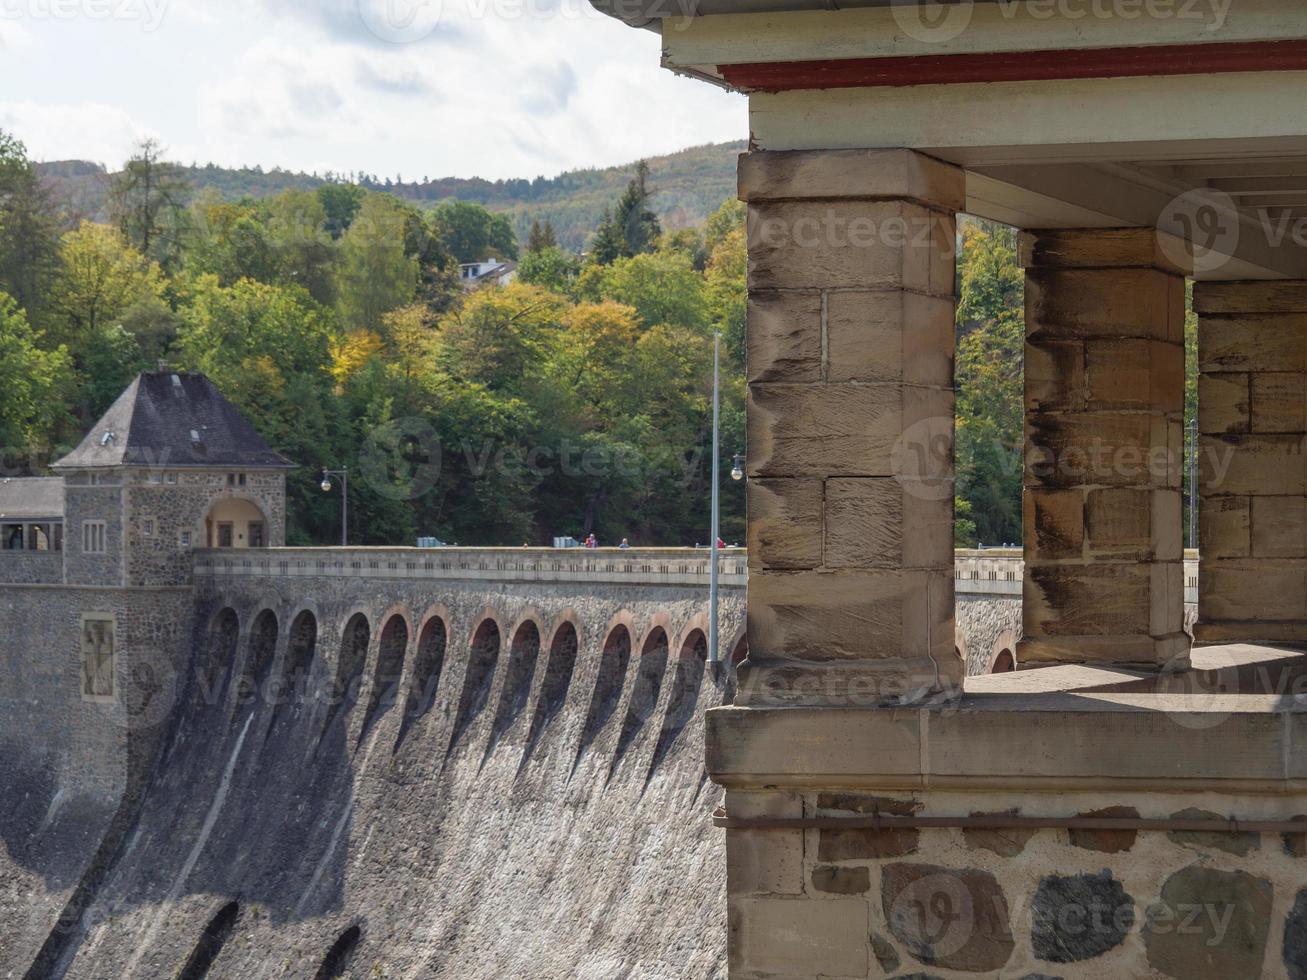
x=690, y=185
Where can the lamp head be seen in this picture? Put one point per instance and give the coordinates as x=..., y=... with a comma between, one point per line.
x=737, y=471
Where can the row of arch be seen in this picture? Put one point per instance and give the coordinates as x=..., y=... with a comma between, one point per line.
x=514, y=663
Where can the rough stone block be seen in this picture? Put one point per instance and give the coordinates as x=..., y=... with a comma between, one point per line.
x=1224, y=403
x=889, y=336
x=1252, y=343
x=785, y=523
x=824, y=430
x=1093, y=600
x=862, y=843
x=1279, y=527
x=879, y=523
x=1105, y=248
x=1101, y=303
x=1054, y=375
x=1255, y=589
x=1143, y=375
x=1119, y=523
x=851, y=174
x=1106, y=841
x=1279, y=402
x=865, y=615
x=1225, y=526
x=1239, y=844
x=1209, y=923
x=1079, y=917
x=841, y=881
x=813, y=244
x=952, y=918
x=800, y=937
x=764, y=861
x=1054, y=522
x=1252, y=465
x=1076, y=449
x=1270, y=296
x=784, y=336
x=1004, y=841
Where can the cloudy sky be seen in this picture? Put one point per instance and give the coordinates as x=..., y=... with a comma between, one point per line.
x=492, y=88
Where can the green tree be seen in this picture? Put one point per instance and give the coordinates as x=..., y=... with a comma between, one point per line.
x=147, y=200
x=375, y=273
x=542, y=237
x=631, y=228
x=29, y=229
x=340, y=203
x=33, y=386
x=549, y=267
x=662, y=286
x=473, y=234
x=102, y=277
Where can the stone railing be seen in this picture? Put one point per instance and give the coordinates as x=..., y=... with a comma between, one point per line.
x=997, y=572
x=648, y=566
x=31, y=567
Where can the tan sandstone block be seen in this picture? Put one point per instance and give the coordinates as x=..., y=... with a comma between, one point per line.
x=846, y=174
x=876, y=523
x=1054, y=375
x=1279, y=527
x=832, y=616
x=1252, y=465
x=764, y=861
x=1096, y=249
x=1224, y=404
x=785, y=523
x=889, y=336
x=1252, y=343
x=1134, y=374
x=1071, y=449
x=1054, y=523
x=784, y=336
x=1262, y=589
x=1225, y=526
x=1104, y=303
x=1088, y=600
x=1250, y=297
x=838, y=244
x=821, y=430
x=1166, y=598
x=1279, y=402
x=1119, y=523
x=798, y=937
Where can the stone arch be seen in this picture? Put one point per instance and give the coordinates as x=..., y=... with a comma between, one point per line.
x=392, y=651
x=686, y=684
x=428, y=663
x=523, y=655
x=240, y=513
x=739, y=649
x=1003, y=654
x=223, y=649
x=340, y=956
x=609, y=678
x=483, y=659
x=215, y=935
x=650, y=670
x=354, y=641
x=260, y=652
x=301, y=649
x=559, y=667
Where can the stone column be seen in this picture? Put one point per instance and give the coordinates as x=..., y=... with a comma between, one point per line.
x=1104, y=401
x=1252, y=471
x=850, y=426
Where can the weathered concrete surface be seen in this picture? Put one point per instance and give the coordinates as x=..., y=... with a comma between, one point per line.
x=489, y=854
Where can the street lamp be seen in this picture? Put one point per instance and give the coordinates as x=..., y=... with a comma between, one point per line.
x=737, y=469
x=343, y=475
x=737, y=473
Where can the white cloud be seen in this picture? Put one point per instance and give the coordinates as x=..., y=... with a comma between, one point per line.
x=90, y=131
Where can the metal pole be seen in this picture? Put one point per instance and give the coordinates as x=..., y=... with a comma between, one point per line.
x=1193, y=483
x=344, y=507
x=712, y=574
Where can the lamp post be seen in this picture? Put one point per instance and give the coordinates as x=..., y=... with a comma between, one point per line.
x=341, y=474
x=737, y=473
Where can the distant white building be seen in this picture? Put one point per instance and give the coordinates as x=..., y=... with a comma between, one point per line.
x=492, y=270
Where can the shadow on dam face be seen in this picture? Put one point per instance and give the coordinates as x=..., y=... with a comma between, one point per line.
x=296, y=803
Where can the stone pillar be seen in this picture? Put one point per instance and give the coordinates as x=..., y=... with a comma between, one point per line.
x=1104, y=402
x=850, y=426
x=1252, y=471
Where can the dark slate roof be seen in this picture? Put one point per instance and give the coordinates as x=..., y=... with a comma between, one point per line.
x=151, y=424
x=28, y=497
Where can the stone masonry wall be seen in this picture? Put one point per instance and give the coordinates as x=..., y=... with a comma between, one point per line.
x=1015, y=903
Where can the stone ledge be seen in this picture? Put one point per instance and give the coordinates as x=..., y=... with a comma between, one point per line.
x=1109, y=729
x=812, y=175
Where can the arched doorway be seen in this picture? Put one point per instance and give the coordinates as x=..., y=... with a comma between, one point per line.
x=235, y=522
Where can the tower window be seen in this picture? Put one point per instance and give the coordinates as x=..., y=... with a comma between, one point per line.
x=93, y=537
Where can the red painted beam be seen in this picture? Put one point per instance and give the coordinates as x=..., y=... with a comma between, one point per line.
x=1023, y=66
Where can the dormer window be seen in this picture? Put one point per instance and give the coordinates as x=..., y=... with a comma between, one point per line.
x=108, y=438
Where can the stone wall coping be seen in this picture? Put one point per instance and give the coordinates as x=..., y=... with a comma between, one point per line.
x=1182, y=732
x=669, y=566
x=825, y=175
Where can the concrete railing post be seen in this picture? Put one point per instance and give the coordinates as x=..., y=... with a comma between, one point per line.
x=1104, y=383
x=850, y=426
